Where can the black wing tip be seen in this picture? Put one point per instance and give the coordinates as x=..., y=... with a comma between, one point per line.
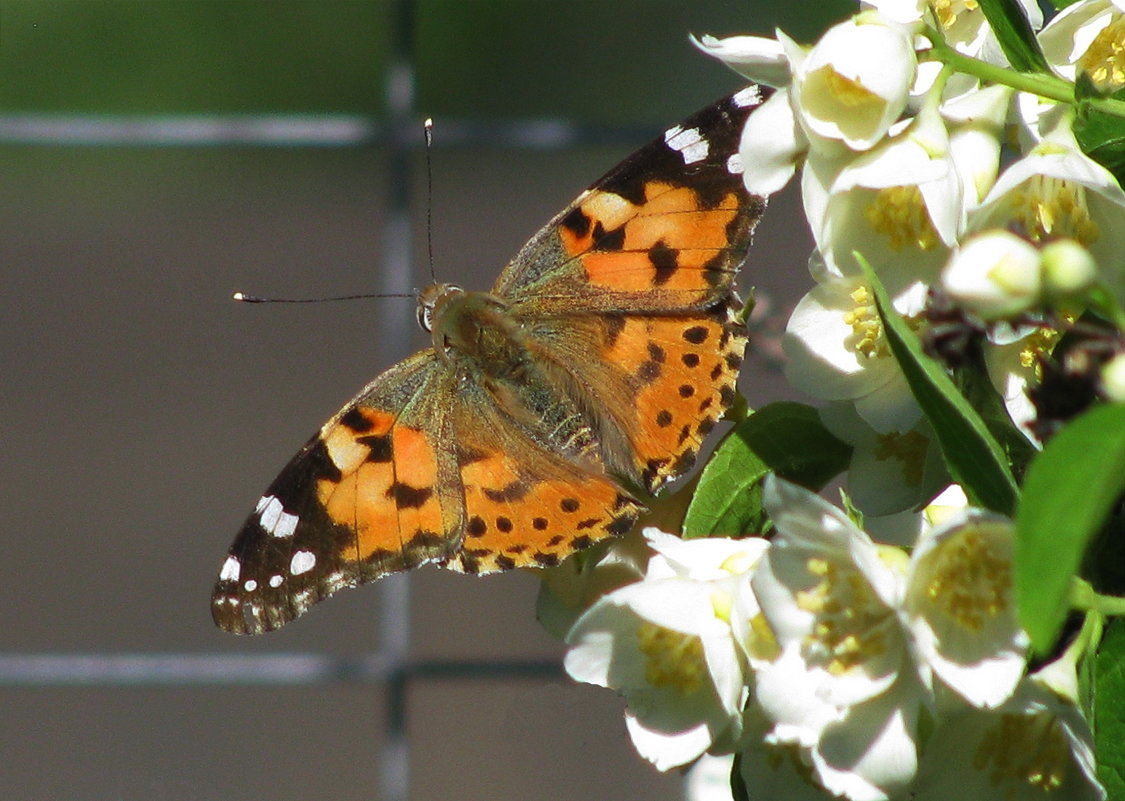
x=238, y=615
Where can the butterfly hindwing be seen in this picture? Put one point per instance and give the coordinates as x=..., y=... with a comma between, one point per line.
x=525, y=503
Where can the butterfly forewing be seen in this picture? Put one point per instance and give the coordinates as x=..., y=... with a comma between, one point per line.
x=375, y=491
x=664, y=230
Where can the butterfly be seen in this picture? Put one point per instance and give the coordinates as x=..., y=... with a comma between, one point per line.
x=546, y=409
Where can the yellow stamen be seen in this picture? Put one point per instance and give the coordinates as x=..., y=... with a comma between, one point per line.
x=1048, y=208
x=1104, y=59
x=909, y=450
x=867, y=331
x=674, y=660
x=899, y=214
x=1026, y=749
x=850, y=620
x=846, y=91
x=947, y=12
x=970, y=582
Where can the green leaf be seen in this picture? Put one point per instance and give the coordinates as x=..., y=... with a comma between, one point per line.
x=786, y=438
x=1015, y=35
x=977, y=388
x=1100, y=135
x=1109, y=711
x=1069, y=492
x=738, y=789
x=974, y=458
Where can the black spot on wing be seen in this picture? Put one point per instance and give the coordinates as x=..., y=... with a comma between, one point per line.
x=577, y=222
x=513, y=491
x=665, y=262
x=608, y=240
x=354, y=419
x=407, y=497
x=696, y=335
x=379, y=448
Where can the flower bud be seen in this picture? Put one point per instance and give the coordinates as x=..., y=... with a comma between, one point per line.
x=994, y=275
x=1068, y=268
x=1113, y=379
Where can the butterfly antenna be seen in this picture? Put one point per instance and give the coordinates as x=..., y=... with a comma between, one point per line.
x=244, y=298
x=428, y=132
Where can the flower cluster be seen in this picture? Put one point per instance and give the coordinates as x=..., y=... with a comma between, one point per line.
x=900, y=162
x=832, y=664
x=880, y=652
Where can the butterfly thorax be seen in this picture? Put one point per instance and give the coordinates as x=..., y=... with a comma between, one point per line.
x=477, y=336
x=472, y=327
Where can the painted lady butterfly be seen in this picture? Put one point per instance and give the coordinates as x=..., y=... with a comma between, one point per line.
x=588, y=376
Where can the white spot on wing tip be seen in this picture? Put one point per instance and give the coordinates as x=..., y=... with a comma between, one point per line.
x=273, y=518
x=275, y=581
x=230, y=570
x=734, y=164
x=688, y=142
x=250, y=585
x=302, y=562
x=750, y=96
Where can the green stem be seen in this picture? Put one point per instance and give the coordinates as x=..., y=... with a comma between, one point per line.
x=1105, y=303
x=1049, y=86
x=1087, y=639
x=1085, y=599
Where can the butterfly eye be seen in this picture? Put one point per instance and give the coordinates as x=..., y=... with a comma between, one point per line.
x=428, y=300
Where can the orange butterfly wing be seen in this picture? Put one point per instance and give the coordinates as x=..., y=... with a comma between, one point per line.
x=640, y=271
x=624, y=310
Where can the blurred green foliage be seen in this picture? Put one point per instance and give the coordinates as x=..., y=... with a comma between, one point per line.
x=606, y=60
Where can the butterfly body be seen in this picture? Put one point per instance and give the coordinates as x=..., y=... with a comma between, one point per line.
x=544, y=410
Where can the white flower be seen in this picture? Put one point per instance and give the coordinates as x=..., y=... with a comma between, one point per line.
x=709, y=779
x=1057, y=192
x=1013, y=361
x=890, y=471
x=901, y=206
x=1113, y=379
x=1088, y=37
x=837, y=351
x=756, y=58
x=666, y=644
x=844, y=685
x=1068, y=269
x=871, y=753
x=772, y=769
x=854, y=82
x=960, y=607
x=976, y=128
x=1034, y=747
x=950, y=503
x=772, y=145
x=829, y=596
x=571, y=588
x=994, y=274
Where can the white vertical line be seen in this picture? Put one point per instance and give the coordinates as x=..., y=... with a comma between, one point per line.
x=394, y=591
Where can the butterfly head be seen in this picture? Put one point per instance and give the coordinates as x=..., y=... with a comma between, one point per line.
x=430, y=298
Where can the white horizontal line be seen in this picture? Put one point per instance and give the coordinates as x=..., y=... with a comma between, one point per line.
x=302, y=130
x=218, y=669
x=261, y=129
